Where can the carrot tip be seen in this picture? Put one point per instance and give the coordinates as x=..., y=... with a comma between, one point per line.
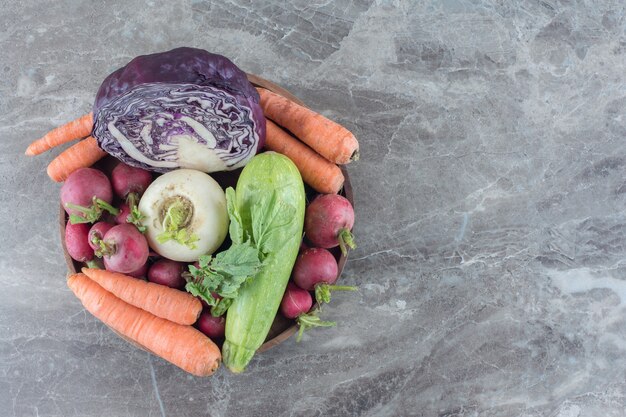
x=52, y=174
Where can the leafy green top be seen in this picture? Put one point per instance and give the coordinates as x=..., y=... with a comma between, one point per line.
x=218, y=278
x=174, y=222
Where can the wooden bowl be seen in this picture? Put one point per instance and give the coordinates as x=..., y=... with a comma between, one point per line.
x=282, y=328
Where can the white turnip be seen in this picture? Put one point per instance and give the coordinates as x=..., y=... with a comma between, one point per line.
x=185, y=215
x=124, y=249
x=328, y=221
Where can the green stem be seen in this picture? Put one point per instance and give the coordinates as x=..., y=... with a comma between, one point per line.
x=323, y=291
x=187, y=276
x=106, y=206
x=346, y=240
x=90, y=214
x=341, y=287
x=220, y=308
x=132, y=199
x=177, y=216
x=93, y=264
x=76, y=207
x=135, y=217
x=310, y=320
x=104, y=248
x=75, y=219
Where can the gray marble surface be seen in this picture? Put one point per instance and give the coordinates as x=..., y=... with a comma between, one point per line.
x=490, y=203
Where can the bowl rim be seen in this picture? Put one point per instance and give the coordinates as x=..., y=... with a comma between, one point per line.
x=346, y=192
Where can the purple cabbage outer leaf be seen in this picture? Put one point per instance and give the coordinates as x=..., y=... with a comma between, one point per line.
x=165, y=126
x=187, y=66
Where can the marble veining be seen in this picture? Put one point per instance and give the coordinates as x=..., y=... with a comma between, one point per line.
x=490, y=203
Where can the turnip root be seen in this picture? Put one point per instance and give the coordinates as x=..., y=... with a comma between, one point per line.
x=185, y=215
x=328, y=222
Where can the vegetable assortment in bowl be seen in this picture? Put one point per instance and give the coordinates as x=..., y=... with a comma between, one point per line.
x=181, y=196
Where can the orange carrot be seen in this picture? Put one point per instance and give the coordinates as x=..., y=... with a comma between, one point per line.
x=76, y=129
x=165, y=302
x=184, y=346
x=321, y=174
x=84, y=154
x=331, y=140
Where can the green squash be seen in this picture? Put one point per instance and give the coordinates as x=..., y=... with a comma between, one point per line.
x=270, y=202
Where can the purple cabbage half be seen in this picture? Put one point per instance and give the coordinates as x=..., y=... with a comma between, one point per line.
x=185, y=108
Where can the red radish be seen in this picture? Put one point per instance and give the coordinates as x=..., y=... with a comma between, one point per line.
x=129, y=213
x=85, y=193
x=296, y=304
x=328, y=221
x=296, y=301
x=129, y=183
x=167, y=272
x=97, y=232
x=82, y=185
x=213, y=327
x=205, y=304
x=125, y=249
x=314, y=266
x=77, y=243
x=316, y=269
x=122, y=216
x=126, y=180
x=142, y=272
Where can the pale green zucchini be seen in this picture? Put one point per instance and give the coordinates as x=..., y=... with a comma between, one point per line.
x=270, y=200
